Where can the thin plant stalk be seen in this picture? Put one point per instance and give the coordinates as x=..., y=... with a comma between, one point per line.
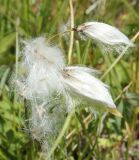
x=64, y=129
x=72, y=33
x=119, y=57
x=67, y=122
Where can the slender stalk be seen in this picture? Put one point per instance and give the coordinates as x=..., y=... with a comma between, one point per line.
x=119, y=57
x=124, y=90
x=72, y=33
x=66, y=124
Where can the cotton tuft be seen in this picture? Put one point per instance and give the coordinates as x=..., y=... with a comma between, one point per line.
x=54, y=89
x=104, y=34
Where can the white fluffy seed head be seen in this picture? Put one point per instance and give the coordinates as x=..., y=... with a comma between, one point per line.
x=39, y=50
x=49, y=87
x=39, y=80
x=87, y=86
x=42, y=64
x=105, y=34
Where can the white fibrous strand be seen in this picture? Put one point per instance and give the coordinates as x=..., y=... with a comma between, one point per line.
x=53, y=90
x=104, y=34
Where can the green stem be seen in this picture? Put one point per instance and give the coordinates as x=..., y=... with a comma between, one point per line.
x=115, y=62
x=65, y=127
x=72, y=33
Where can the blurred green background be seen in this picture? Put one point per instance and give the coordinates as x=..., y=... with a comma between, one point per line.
x=87, y=138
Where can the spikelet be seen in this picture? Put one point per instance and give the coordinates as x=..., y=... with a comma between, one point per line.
x=104, y=34
x=88, y=87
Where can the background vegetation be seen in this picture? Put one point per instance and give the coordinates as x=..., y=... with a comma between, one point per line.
x=87, y=137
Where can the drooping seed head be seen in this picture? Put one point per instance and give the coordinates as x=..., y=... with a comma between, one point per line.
x=104, y=34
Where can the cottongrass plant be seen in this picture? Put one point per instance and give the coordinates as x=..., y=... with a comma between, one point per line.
x=53, y=89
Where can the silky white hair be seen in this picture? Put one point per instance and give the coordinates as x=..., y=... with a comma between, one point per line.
x=54, y=89
x=104, y=34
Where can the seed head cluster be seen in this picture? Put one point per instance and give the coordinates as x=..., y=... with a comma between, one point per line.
x=54, y=89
